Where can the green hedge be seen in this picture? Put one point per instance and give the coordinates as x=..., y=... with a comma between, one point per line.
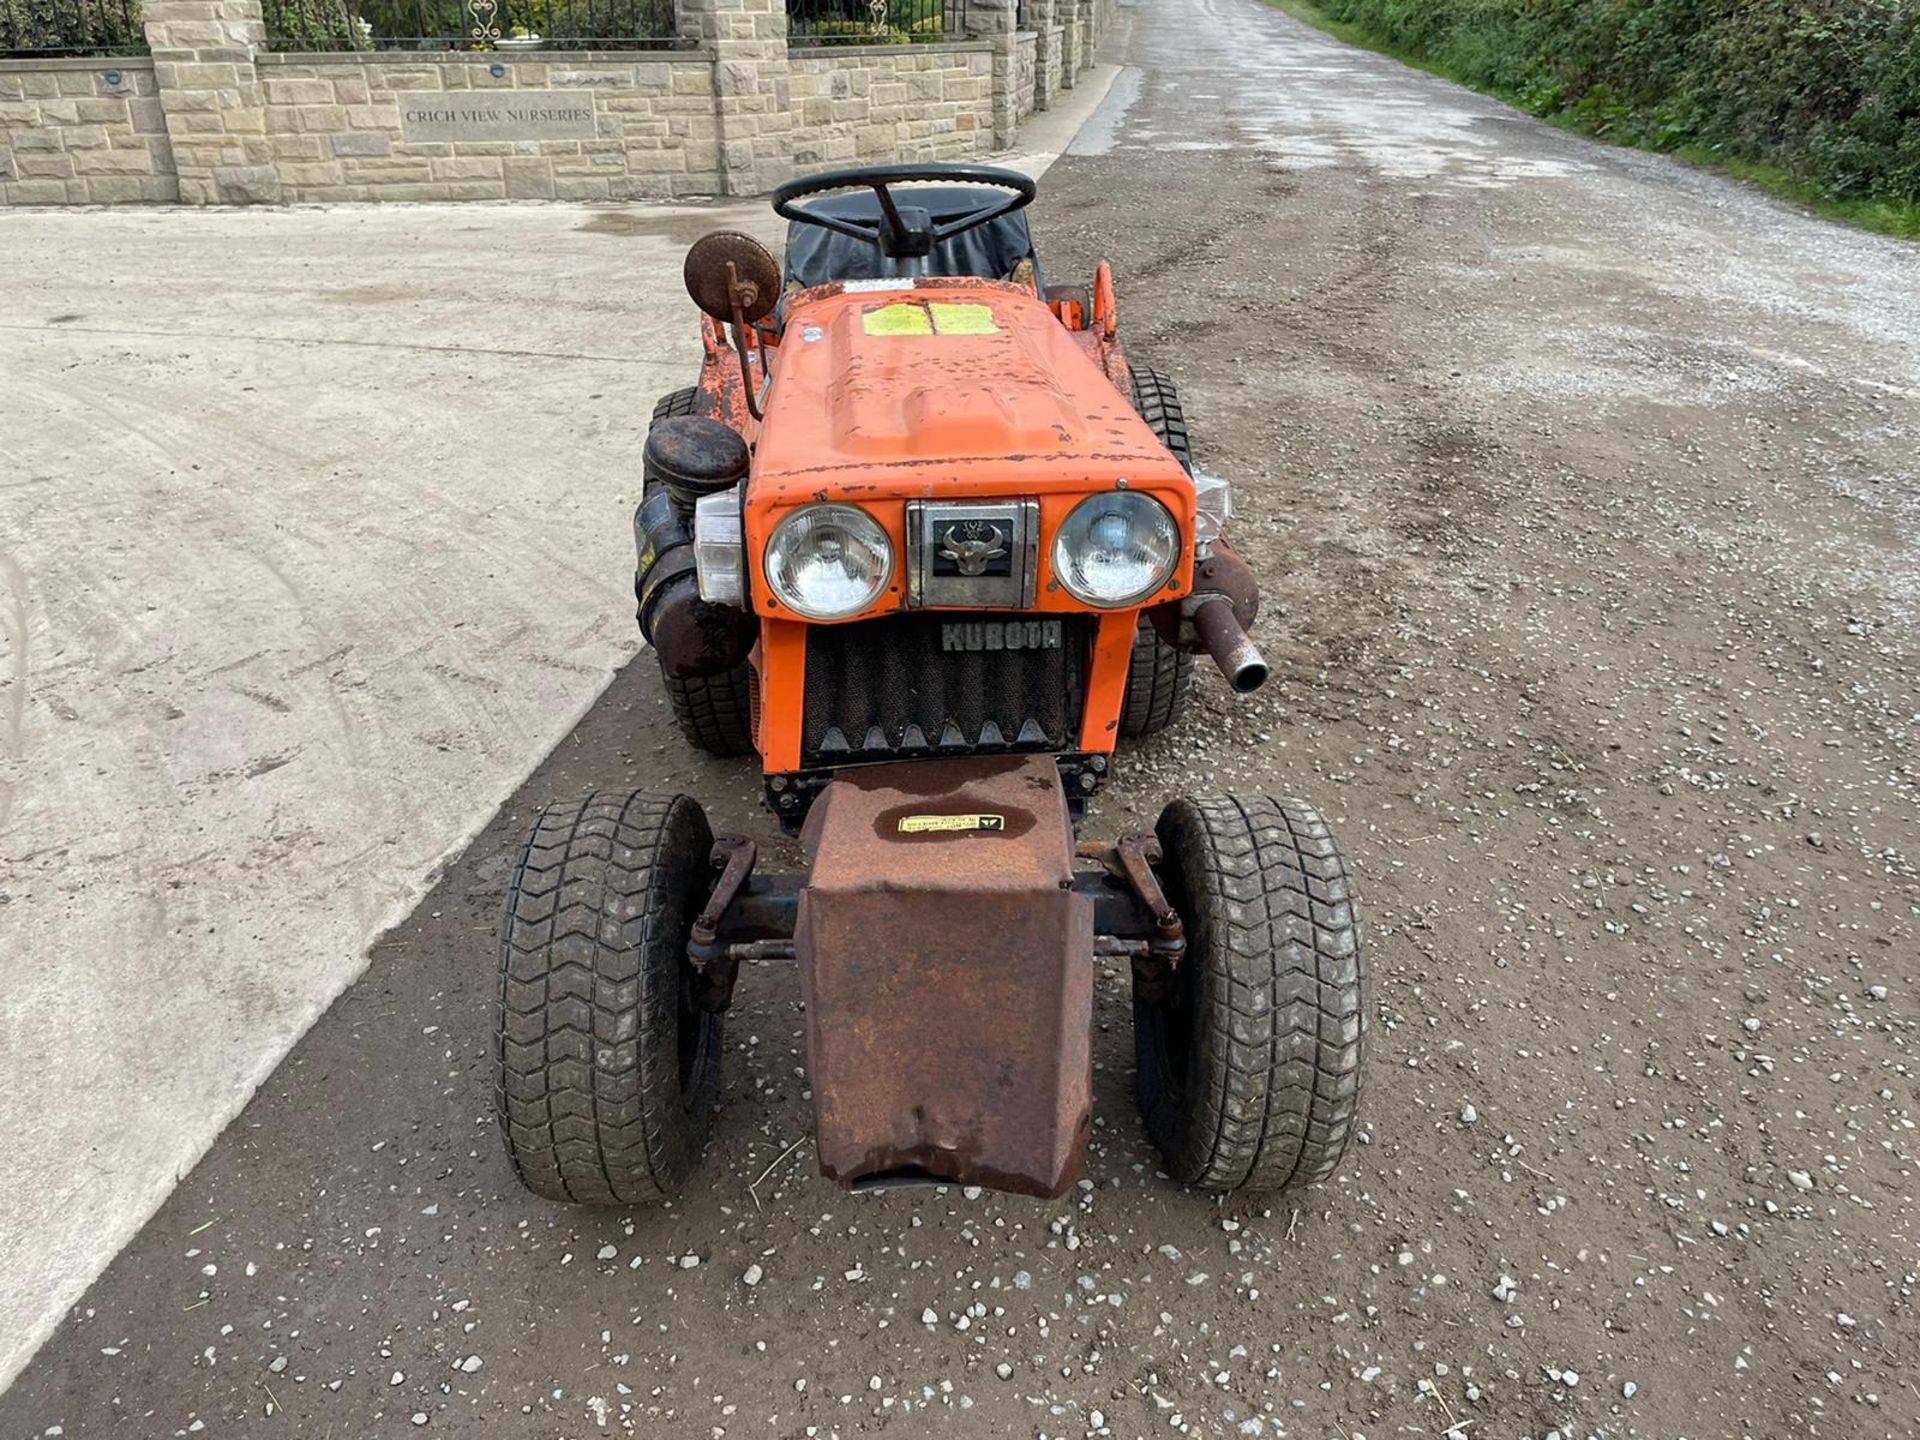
x=71, y=27
x=1826, y=90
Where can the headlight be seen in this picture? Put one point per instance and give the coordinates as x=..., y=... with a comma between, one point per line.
x=1116, y=549
x=829, y=561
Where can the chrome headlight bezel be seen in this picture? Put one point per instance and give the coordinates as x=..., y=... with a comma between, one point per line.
x=854, y=520
x=1072, y=538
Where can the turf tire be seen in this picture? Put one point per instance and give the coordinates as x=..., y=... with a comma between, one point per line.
x=714, y=712
x=1161, y=677
x=1158, y=401
x=606, y=1075
x=1249, y=1071
x=679, y=402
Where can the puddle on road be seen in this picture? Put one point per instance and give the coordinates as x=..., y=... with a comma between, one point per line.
x=1313, y=104
x=677, y=228
x=1101, y=133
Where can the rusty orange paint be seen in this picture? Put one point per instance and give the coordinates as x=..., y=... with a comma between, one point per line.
x=723, y=392
x=1106, y=303
x=928, y=1050
x=1028, y=409
x=1107, y=681
x=878, y=420
x=783, y=693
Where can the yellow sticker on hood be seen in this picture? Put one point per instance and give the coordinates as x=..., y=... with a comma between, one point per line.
x=963, y=320
x=899, y=320
x=917, y=318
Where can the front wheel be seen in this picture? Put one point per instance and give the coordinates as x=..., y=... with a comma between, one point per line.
x=607, y=1073
x=1249, y=1067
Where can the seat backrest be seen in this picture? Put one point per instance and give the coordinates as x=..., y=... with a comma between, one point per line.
x=988, y=252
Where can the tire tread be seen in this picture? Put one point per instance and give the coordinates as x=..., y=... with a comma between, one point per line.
x=1280, y=1025
x=1160, y=678
x=587, y=1084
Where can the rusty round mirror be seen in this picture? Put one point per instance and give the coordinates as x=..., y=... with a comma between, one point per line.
x=727, y=269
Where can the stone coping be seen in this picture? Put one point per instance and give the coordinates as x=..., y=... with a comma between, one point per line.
x=938, y=47
x=478, y=57
x=23, y=63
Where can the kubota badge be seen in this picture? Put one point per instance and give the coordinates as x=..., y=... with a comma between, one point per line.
x=931, y=824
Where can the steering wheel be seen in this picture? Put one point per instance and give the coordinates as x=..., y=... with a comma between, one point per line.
x=904, y=232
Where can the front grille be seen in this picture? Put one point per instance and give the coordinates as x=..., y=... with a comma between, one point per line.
x=907, y=685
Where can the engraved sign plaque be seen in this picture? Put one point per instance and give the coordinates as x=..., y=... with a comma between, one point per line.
x=497, y=115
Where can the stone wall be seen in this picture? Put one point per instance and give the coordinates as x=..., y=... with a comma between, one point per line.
x=883, y=103
x=214, y=117
x=83, y=132
x=339, y=127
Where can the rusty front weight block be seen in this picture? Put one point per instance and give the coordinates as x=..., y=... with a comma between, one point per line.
x=946, y=959
x=946, y=945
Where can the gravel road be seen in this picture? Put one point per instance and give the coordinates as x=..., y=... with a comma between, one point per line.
x=1584, y=490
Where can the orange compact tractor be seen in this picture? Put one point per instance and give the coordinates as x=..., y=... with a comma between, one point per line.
x=926, y=542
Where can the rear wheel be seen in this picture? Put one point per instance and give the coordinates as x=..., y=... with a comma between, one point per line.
x=1158, y=682
x=714, y=712
x=1250, y=1067
x=607, y=1073
x=1158, y=401
x=679, y=402
x=1161, y=677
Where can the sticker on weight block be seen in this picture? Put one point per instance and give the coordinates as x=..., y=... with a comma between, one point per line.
x=931, y=824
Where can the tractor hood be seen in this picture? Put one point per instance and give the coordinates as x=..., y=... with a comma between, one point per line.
x=936, y=387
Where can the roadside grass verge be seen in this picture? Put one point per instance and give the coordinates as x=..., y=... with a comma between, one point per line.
x=1895, y=217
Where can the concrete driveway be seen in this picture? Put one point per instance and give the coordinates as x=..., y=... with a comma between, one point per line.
x=314, y=539
x=314, y=527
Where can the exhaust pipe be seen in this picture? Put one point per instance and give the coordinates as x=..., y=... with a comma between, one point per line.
x=1229, y=645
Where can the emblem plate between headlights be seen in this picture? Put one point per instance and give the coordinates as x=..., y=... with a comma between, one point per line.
x=973, y=554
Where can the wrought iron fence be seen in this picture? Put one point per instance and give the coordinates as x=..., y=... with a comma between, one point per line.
x=875, y=22
x=469, y=24
x=71, y=27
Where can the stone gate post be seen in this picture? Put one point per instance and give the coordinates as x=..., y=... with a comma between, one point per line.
x=747, y=42
x=998, y=21
x=1073, y=42
x=1041, y=16
x=211, y=98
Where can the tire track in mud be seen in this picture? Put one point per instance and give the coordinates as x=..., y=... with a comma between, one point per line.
x=15, y=670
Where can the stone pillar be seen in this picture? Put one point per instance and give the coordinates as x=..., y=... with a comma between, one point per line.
x=1041, y=16
x=998, y=21
x=1067, y=14
x=747, y=42
x=211, y=98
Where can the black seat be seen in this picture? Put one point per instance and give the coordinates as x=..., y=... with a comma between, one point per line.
x=990, y=251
